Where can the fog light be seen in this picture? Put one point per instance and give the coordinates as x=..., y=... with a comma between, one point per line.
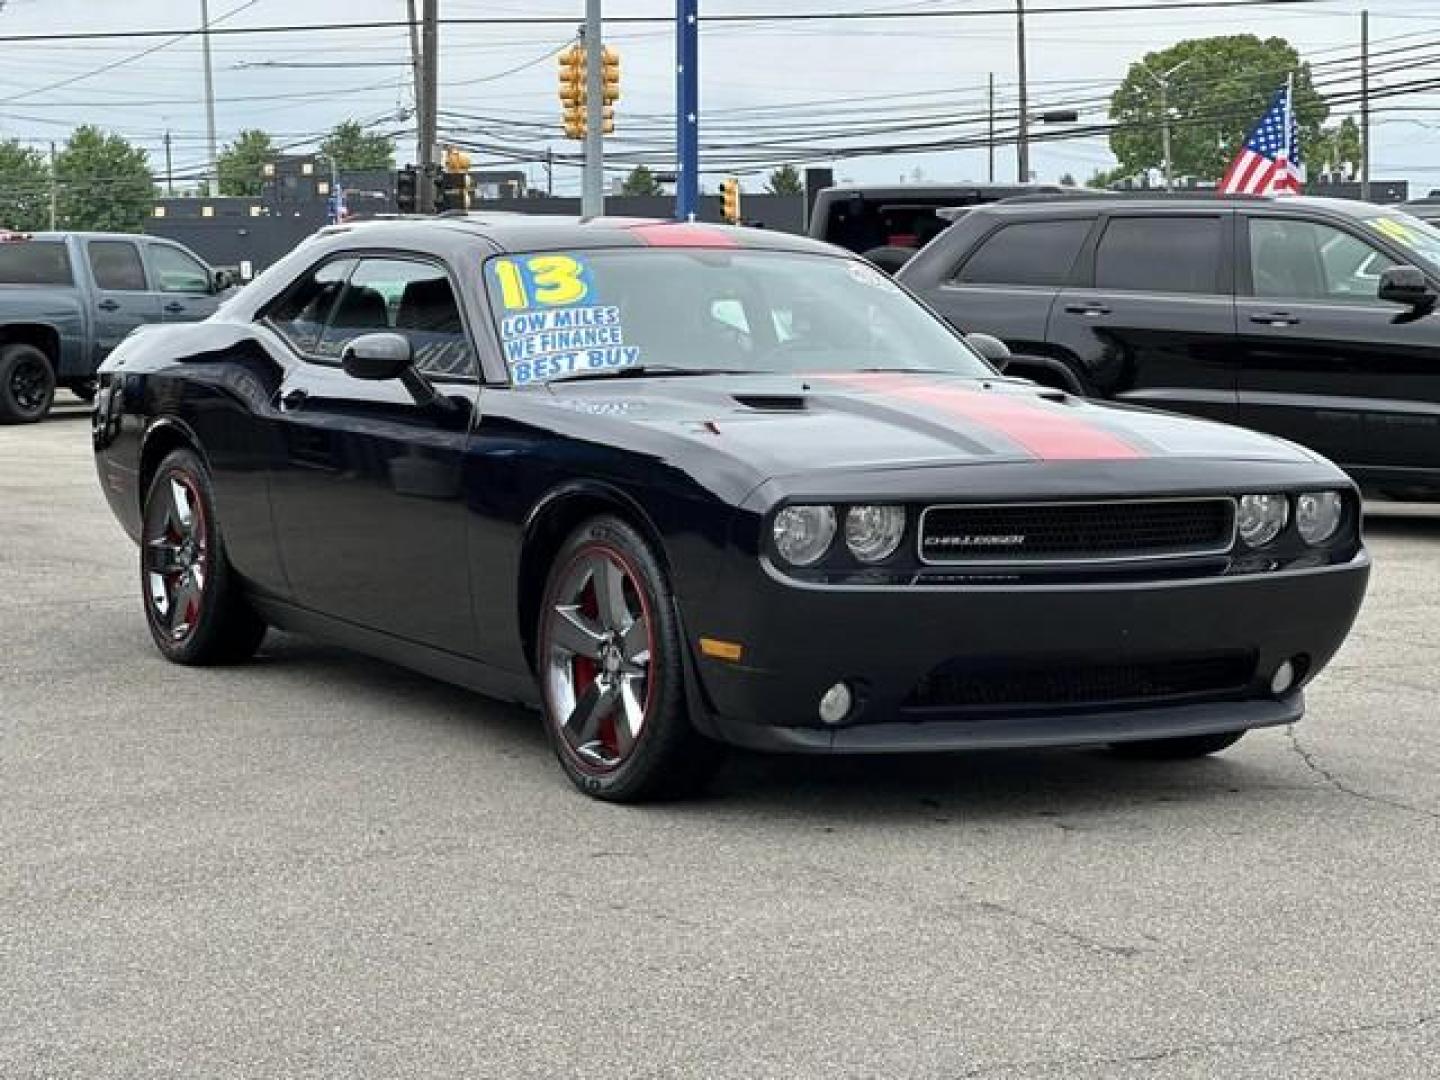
x=835, y=703
x=1283, y=679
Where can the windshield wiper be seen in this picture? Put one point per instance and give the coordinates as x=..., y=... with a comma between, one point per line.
x=913, y=370
x=644, y=370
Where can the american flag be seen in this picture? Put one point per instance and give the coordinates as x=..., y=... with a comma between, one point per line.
x=1269, y=163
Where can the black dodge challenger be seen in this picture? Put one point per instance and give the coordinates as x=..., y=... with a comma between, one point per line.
x=680, y=485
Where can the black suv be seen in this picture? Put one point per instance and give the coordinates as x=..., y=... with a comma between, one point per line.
x=1314, y=319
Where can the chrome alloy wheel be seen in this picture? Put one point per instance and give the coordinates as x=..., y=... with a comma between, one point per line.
x=177, y=557
x=597, y=650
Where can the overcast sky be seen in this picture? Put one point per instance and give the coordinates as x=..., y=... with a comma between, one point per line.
x=745, y=69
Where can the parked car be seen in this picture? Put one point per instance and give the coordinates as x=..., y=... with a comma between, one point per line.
x=67, y=299
x=1426, y=209
x=1312, y=319
x=678, y=484
x=887, y=224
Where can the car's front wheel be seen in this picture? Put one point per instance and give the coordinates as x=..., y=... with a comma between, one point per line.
x=1192, y=746
x=193, y=601
x=611, y=677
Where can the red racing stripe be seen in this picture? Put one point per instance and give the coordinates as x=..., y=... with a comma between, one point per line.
x=683, y=234
x=1044, y=429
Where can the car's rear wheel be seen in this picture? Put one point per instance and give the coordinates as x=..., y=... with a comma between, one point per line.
x=193, y=602
x=611, y=677
x=1192, y=746
x=27, y=384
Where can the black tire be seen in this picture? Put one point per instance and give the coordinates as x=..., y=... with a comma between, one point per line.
x=27, y=384
x=889, y=258
x=1192, y=746
x=193, y=603
x=591, y=635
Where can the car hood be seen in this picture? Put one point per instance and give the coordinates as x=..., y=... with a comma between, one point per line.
x=788, y=424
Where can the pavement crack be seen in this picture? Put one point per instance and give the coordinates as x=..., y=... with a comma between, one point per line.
x=1166, y=1053
x=1313, y=764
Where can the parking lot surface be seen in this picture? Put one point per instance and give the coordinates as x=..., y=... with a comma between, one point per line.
x=317, y=865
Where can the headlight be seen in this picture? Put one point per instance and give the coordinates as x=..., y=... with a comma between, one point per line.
x=1261, y=517
x=873, y=533
x=1317, y=515
x=803, y=533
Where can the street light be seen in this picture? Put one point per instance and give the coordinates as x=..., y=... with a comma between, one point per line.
x=1163, y=81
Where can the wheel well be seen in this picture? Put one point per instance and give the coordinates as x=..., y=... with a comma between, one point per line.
x=160, y=442
x=44, y=338
x=560, y=517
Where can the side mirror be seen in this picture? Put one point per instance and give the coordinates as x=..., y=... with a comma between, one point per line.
x=377, y=357
x=219, y=281
x=1406, y=285
x=991, y=348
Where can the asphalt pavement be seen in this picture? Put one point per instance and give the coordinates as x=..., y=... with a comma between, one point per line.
x=317, y=865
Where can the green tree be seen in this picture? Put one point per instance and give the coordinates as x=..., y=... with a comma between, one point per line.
x=1214, y=101
x=240, y=164
x=351, y=148
x=641, y=181
x=104, y=182
x=785, y=181
x=1337, y=148
x=24, y=188
x=1103, y=178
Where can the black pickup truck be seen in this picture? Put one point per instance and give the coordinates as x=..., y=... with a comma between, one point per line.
x=67, y=299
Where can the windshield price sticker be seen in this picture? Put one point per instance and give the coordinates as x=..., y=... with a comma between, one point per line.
x=546, y=335
x=1396, y=230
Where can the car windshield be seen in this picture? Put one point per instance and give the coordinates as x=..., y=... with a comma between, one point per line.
x=1419, y=236
x=573, y=314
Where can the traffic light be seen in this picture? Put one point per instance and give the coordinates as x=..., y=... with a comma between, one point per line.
x=573, y=96
x=572, y=90
x=455, y=182
x=405, y=190
x=611, y=75
x=730, y=200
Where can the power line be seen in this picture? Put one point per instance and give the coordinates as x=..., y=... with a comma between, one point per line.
x=735, y=17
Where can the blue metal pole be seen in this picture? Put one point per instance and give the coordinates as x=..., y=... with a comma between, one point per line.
x=687, y=109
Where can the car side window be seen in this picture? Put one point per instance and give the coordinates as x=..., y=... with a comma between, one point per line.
x=116, y=265
x=410, y=298
x=1027, y=253
x=1160, y=254
x=178, y=272
x=1305, y=260
x=303, y=310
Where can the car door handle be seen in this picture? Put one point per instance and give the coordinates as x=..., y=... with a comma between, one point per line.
x=295, y=399
x=109, y=305
x=1275, y=318
x=1087, y=309
x=174, y=307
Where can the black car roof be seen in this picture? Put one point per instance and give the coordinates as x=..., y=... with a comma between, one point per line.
x=1089, y=202
x=545, y=232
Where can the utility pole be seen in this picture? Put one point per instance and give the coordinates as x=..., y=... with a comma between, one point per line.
x=430, y=86
x=54, y=191
x=1365, y=105
x=549, y=171
x=1022, y=140
x=990, y=141
x=1163, y=81
x=209, y=96
x=687, y=109
x=592, y=195
x=416, y=74
x=170, y=170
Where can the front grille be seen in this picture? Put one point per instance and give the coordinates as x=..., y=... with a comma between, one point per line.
x=1077, y=532
x=1080, y=683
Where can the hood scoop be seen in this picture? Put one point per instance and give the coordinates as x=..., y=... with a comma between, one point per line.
x=772, y=402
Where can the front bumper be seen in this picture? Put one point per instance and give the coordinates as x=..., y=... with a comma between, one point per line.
x=799, y=640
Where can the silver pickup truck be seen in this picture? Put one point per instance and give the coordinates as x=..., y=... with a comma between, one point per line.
x=67, y=299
